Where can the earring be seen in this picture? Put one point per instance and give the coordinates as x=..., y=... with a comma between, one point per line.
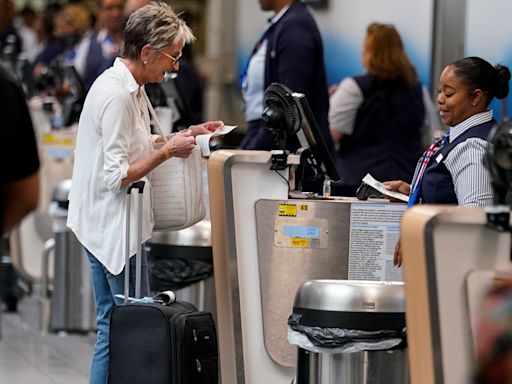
x=145, y=62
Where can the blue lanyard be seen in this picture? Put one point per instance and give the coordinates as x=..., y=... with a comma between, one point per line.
x=414, y=198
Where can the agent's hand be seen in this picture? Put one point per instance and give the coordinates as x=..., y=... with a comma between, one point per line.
x=205, y=128
x=332, y=89
x=397, y=257
x=179, y=145
x=397, y=186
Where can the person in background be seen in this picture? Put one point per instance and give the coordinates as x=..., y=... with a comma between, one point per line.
x=188, y=80
x=383, y=120
x=451, y=171
x=19, y=193
x=290, y=52
x=105, y=44
x=72, y=32
x=24, y=23
x=114, y=147
x=11, y=43
x=49, y=45
x=74, y=26
x=131, y=6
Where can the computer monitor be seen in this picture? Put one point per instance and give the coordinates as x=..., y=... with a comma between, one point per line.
x=321, y=154
x=287, y=114
x=24, y=71
x=75, y=82
x=175, y=95
x=73, y=102
x=180, y=91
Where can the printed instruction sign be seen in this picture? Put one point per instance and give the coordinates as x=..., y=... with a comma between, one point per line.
x=374, y=232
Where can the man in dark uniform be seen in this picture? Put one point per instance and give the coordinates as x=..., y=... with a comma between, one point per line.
x=289, y=52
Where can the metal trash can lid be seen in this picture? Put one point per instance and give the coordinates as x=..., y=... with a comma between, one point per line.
x=198, y=235
x=351, y=296
x=61, y=193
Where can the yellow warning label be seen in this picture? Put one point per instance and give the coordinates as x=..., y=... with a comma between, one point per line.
x=300, y=242
x=287, y=210
x=49, y=138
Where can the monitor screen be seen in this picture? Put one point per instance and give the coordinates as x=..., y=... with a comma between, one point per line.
x=24, y=71
x=177, y=102
x=320, y=151
x=76, y=85
x=72, y=104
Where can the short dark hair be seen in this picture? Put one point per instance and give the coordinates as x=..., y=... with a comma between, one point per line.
x=477, y=73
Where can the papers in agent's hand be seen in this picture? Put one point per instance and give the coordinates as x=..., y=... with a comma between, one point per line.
x=368, y=179
x=204, y=140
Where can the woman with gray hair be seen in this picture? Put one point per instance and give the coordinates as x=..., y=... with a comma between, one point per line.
x=114, y=148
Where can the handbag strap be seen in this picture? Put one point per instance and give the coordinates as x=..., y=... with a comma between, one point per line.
x=154, y=116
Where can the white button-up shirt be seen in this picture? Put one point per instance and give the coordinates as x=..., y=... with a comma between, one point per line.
x=113, y=132
x=471, y=179
x=253, y=87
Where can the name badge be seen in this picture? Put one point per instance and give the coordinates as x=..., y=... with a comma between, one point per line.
x=439, y=158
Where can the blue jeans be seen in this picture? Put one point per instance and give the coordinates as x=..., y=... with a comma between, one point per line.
x=105, y=285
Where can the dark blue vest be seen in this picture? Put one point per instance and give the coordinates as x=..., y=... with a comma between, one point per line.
x=386, y=141
x=95, y=63
x=437, y=186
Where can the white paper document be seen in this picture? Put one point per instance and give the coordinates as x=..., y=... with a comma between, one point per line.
x=374, y=232
x=204, y=140
x=368, y=179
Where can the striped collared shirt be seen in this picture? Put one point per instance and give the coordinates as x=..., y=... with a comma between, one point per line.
x=471, y=179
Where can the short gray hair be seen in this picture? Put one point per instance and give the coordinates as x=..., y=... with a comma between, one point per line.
x=155, y=24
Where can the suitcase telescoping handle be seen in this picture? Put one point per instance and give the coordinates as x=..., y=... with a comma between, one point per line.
x=139, y=186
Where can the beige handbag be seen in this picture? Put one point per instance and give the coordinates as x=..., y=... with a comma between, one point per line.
x=177, y=188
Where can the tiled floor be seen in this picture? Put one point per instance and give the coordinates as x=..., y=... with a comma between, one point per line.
x=28, y=357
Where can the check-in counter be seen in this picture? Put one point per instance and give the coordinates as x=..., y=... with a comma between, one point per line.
x=450, y=259
x=266, y=245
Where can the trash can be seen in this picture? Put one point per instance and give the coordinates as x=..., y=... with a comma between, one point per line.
x=182, y=261
x=72, y=305
x=12, y=285
x=349, y=332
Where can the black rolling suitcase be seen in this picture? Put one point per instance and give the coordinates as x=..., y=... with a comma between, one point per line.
x=160, y=344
